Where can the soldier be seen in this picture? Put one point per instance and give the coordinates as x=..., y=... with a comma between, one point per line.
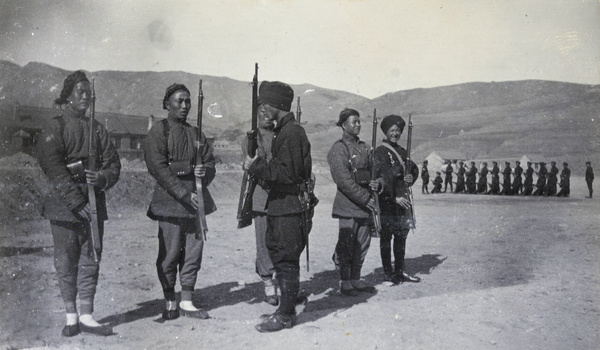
x=517, y=181
x=472, y=179
x=528, y=184
x=396, y=220
x=425, y=177
x=171, y=154
x=506, y=184
x=552, y=180
x=286, y=174
x=264, y=266
x=565, y=181
x=437, y=183
x=62, y=145
x=460, y=178
x=541, y=181
x=589, y=178
x=482, y=185
x=448, y=178
x=350, y=167
x=495, y=187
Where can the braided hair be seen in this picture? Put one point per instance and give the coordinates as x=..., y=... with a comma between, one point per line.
x=171, y=90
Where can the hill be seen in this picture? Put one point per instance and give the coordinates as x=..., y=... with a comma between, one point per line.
x=500, y=120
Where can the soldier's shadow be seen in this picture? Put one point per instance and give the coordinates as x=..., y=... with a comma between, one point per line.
x=326, y=298
x=322, y=289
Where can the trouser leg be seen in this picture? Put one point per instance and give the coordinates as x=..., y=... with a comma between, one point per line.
x=285, y=241
x=344, y=248
x=385, y=247
x=361, y=247
x=170, y=241
x=89, y=269
x=191, y=260
x=264, y=265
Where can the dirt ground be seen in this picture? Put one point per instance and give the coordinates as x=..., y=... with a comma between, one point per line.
x=498, y=273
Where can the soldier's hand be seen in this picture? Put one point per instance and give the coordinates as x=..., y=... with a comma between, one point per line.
x=408, y=178
x=371, y=203
x=191, y=199
x=248, y=162
x=403, y=202
x=374, y=185
x=200, y=170
x=85, y=213
x=95, y=178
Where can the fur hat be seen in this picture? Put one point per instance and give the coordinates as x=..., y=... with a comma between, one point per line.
x=390, y=121
x=70, y=81
x=345, y=114
x=276, y=94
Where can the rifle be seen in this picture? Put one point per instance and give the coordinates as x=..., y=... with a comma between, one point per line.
x=299, y=112
x=413, y=219
x=94, y=225
x=244, y=212
x=375, y=211
x=201, y=217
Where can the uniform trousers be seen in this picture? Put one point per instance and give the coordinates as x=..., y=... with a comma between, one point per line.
x=264, y=265
x=178, y=249
x=393, y=227
x=76, y=269
x=285, y=242
x=353, y=244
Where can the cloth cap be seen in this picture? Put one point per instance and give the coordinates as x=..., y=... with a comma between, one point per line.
x=276, y=94
x=345, y=114
x=566, y=164
x=171, y=90
x=390, y=121
x=588, y=162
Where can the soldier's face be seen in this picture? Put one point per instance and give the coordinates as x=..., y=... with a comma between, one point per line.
x=81, y=96
x=393, y=134
x=179, y=104
x=263, y=120
x=352, y=125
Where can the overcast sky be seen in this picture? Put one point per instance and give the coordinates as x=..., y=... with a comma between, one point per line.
x=364, y=47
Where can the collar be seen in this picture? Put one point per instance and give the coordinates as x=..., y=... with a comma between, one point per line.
x=285, y=120
x=349, y=138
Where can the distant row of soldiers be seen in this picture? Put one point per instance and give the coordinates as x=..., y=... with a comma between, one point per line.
x=467, y=182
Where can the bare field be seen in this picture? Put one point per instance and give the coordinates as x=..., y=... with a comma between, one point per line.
x=498, y=273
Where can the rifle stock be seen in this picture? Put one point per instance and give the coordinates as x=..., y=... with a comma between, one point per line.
x=244, y=212
x=201, y=217
x=375, y=211
x=94, y=224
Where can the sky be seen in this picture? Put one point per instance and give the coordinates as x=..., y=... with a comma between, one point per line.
x=366, y=47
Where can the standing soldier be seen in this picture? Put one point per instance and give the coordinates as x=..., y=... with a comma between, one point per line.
x=472, y=179
x=171, y=150
x=63, y=148
x=541, y=181
x=589, y=178
x=264, y=266
x=528, y=184
x=460, y=178
x=552, y=180
x=482, y=185
x=448, y=178
x=425, y=177
x=506, y=184
x=286, y=174
x=565, y=181
x=396, y=221
x=517, y=181
x=350, y=167
x=495, y=187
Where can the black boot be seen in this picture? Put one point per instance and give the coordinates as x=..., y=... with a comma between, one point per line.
x=285, y=316
x=400, y=251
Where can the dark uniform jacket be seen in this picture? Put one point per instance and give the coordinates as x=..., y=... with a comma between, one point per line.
x=289, y=169
x=392, y=171
x=264, y=140
x=589, y=174
x=65, y=140
x=169, y=141
x=347, y=158
x=425, y=174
